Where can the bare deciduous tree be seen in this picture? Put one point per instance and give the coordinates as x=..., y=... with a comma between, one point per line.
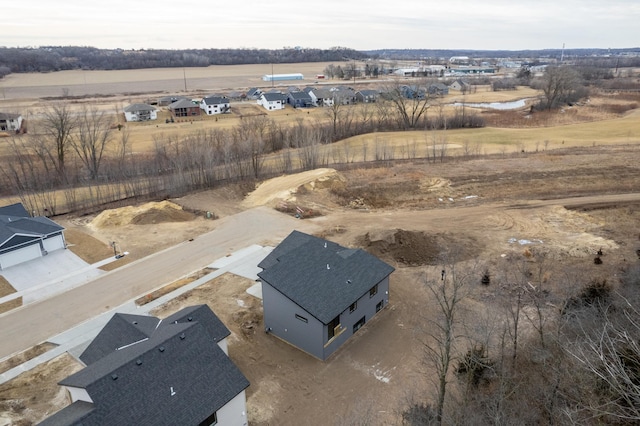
x=447, y=291
x=92, y=139
x=560, y=85
x=53, y=139
x=410, y=102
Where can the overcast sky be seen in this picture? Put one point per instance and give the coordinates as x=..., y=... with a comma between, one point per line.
x=357, y=24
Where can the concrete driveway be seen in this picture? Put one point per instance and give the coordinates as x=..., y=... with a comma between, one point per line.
x=31, y=324
x=58, y=271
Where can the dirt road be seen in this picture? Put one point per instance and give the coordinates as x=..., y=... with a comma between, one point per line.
x=34, y=323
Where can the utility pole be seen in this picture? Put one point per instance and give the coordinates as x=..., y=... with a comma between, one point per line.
x=184, y=75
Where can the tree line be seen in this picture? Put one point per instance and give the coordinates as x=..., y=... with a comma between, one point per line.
x=58, y=58
x=85, y=157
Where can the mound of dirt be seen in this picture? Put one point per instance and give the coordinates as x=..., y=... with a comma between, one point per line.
x=145, y=214
x=417, y=248
x=284, y=188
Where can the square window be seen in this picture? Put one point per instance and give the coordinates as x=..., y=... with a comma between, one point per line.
x=353, y=306
x=373, y=291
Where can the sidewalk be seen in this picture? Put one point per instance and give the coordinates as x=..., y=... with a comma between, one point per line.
x=242, y=262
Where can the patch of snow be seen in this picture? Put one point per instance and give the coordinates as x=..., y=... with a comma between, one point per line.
x=240, y=303
x=523, y=242
x=468, y=197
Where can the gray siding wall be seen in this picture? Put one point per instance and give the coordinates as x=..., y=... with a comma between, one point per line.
x=366, y=307
x=280, y=318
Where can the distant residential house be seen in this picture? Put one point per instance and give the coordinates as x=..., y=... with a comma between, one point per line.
x=253, y=93
x=140, y=112
x=215, y=105
x=367, y=96
x=460, y=85
x=272, y=101
x=10, y=122
x=24, y=238
x=144, y=371
x=343, y=95
x=317, y=294
x=184, y=108
x=413, y=92
x=321, y=97
x=299, y=99
x=168, y=100
x=438, y=89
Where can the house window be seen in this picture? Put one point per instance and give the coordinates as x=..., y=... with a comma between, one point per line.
x=353, y=306
x=373, y=291
x=301, y=318
x=210, y=421
x=379, y=306
x=333, y=328
x=359, y=324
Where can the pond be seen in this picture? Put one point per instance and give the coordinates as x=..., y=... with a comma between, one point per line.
x=495, y=105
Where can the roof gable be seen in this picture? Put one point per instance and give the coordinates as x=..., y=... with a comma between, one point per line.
x=121, y=330
x=17, y=227
x=320, y=276
x=205, y=316
x=178, y=376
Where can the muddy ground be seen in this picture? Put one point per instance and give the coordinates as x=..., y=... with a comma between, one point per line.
x=411, y=215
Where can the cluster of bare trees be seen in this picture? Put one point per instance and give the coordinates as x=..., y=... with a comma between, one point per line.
x=560, y=85
x=545, y=357
x=82, y=153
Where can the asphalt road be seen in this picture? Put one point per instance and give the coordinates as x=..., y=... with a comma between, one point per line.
x=34, y=323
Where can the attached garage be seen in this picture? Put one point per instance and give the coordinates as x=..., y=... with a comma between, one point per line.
x=24, y=238
x=20, y=255
x=54, y=242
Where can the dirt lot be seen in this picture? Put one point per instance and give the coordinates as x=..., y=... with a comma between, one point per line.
x=481, y=202
x=407, y=214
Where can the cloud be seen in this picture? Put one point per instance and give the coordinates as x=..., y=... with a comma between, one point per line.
x=491, y=24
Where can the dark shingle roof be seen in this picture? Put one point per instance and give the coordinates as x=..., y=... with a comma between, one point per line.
x=300, y=96
x=74, y=414
x=179, y=375
x=121, y=330
x=272, y=97
x=16, y=209
x=182, y=103
x=138, y=107
x=205, y=316
x=16, y=227
x=215, y=100
x=320, y=276
x=8, y=116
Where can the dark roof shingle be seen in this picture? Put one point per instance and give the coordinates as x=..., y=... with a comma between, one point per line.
x=320, y=276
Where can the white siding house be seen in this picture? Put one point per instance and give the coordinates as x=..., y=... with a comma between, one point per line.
x=272, y=101
x=10, y=122
x=213, y=105
x=140, y=112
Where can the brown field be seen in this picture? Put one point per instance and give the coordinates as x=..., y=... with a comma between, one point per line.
x=499, y=183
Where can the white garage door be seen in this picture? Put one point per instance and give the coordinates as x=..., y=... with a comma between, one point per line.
x=53, y=243
x=21, y=255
